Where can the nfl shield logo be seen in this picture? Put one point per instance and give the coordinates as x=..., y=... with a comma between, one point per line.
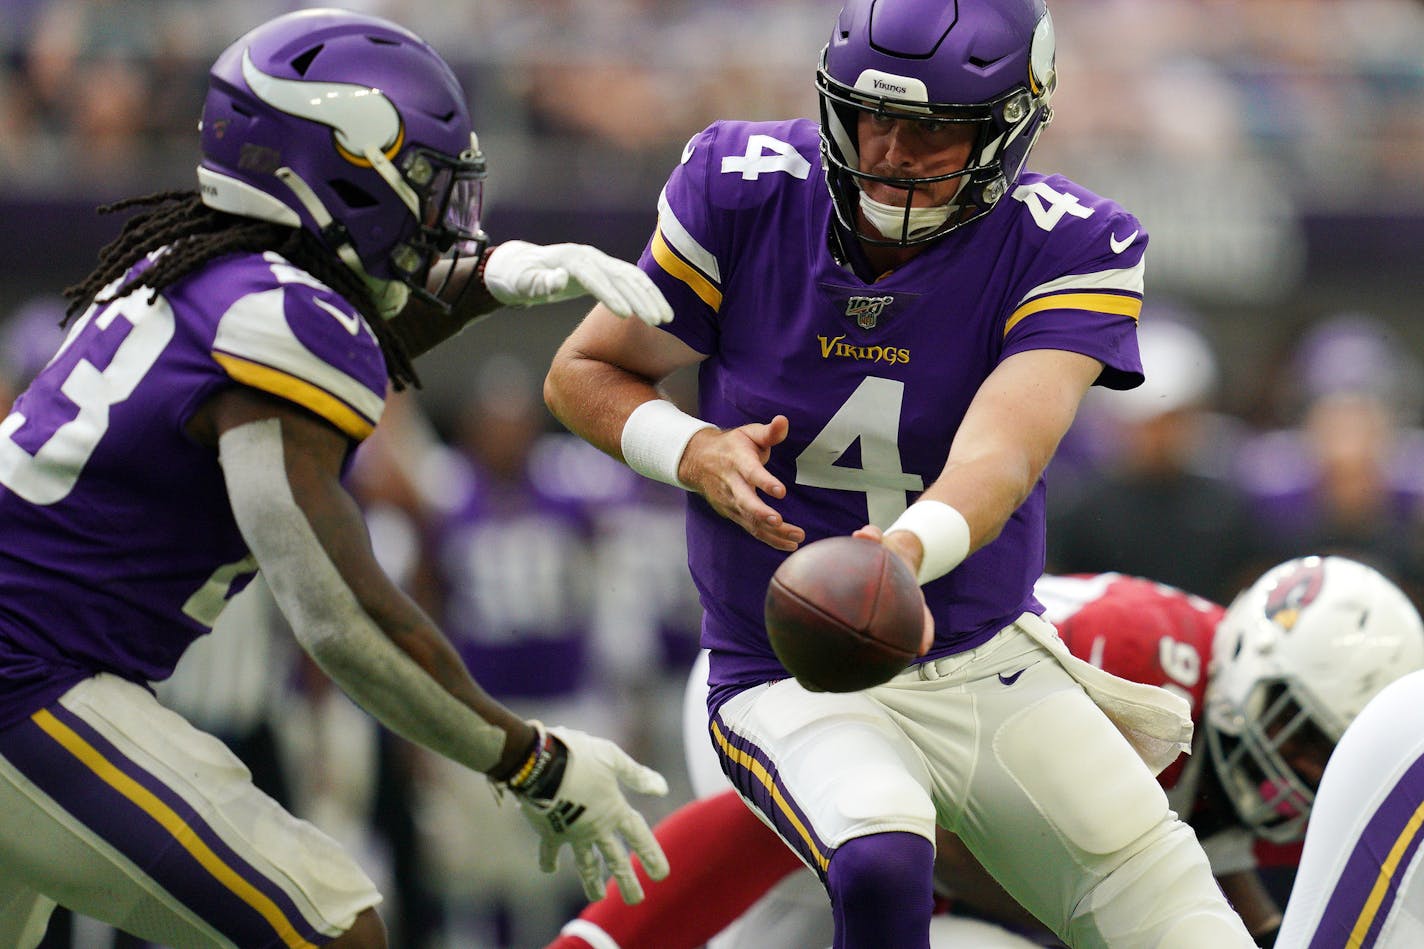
x=866, y=310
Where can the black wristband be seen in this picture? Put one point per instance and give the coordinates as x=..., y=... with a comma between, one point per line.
x=543, y=785
x=543, y=771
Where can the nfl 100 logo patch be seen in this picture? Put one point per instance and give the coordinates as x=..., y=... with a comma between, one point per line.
x=866, y=311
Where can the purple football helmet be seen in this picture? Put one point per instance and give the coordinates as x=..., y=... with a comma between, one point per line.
x=353, y=128
x=989, y=62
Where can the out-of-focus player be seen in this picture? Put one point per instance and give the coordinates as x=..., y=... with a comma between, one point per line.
x=894, y=324
x=1359, y=883
x=235, y=344
x=1273, y=682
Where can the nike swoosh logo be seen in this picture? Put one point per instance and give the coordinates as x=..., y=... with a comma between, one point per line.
x=1118, y=246
x=1010, y=679
x=351, y=322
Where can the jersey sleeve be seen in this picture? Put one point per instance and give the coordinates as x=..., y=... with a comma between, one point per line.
x=682, y=255
x=302, y=342
x=736, y=183
x=1085, y=286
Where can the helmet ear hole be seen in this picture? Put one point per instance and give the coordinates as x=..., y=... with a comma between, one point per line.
x=352, y=195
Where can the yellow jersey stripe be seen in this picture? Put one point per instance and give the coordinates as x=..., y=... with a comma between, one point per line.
x=300, y=391
x=677, y=267
x=682, y=241
x=1112, y=303
x=759, y=772
x=1386, y=873
x=170, y=821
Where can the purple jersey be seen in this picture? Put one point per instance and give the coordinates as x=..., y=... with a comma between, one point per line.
x=514, y=561
x=874, y=377
x=120, y=545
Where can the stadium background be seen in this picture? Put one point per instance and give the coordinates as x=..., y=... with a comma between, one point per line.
x=1273, y=148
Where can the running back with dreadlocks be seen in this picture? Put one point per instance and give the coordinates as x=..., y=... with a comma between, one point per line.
x=228, y=353
x=195, y=234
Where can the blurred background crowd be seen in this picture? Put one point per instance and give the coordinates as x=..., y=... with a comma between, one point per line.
x=1274, y=149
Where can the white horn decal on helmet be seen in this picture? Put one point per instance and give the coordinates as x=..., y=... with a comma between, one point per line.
x=361, y=117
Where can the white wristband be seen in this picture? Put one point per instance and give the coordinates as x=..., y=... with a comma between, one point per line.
x=943, y=533
x=654, y=438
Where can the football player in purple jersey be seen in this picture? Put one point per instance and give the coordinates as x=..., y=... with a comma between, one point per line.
x=894, y=323
x=1359, y=882
x=232, y=347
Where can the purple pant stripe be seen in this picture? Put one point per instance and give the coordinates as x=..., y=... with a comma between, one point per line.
x=755, y=776
x=1366, y=891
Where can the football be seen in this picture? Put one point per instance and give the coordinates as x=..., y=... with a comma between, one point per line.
x=844, y=614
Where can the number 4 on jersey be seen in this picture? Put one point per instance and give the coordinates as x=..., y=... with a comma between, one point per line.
x=872, y=415
x=1048, y=205
x=782, y=157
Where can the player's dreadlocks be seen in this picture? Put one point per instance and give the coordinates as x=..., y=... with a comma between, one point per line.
x=195, y=234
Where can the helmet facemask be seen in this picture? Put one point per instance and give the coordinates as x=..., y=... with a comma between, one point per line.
x=450, y=197
x=1256, y=757
x=980, y=184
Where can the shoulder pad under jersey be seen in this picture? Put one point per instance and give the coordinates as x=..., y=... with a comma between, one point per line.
x=300, y=340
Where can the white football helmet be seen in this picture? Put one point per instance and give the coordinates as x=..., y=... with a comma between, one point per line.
x=1295, y=659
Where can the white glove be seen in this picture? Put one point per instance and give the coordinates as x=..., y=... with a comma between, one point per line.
x=588, y=812
x=518, y=273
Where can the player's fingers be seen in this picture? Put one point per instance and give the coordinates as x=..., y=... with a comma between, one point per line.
x=766, y=525
x=590, y=870
x=641, y=841
x=646, y=299
x=777, y=430
x=765, y=436
x=928, y=639
x=615, y=856
x=765, y=482
x=870, y=532
x=770, y=528
x=639, y=777
x=549, y=854
x=605, y=291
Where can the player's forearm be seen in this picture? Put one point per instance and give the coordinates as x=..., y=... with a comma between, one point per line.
x=376, y=645
x=593, y=399
x=416, y=686
x=986, y=489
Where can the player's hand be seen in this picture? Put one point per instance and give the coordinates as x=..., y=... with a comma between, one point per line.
x=518, y=273
x=728, y=468
x=587, y=811
x=910, y=552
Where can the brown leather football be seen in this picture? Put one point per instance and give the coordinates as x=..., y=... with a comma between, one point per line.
x=844, y=614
